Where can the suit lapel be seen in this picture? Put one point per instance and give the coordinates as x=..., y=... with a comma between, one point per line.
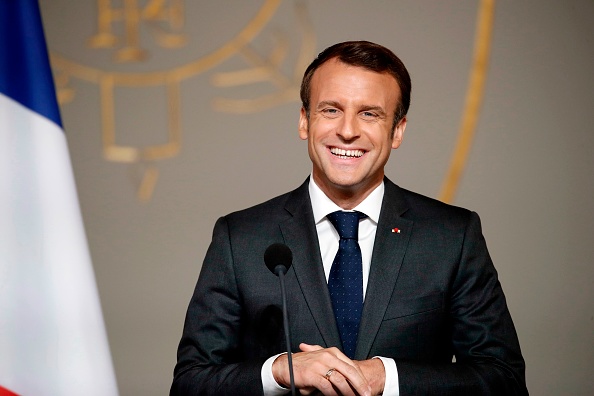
x=300, y=235
x=388, y=252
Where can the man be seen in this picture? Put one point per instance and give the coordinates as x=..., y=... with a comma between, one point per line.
x=420, y=282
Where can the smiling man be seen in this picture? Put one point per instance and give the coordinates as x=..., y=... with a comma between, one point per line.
x=387, y=287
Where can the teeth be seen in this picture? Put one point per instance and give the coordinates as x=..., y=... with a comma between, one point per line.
x=346, y=153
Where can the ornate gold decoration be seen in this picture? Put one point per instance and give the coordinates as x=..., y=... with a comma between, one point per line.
x=474, y=98
x=269, y=69
x=169, y=12
x=131, y=15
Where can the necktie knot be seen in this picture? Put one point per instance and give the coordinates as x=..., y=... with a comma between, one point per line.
x=346, y=223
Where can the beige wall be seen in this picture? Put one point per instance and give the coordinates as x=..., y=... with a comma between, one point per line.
x=529, y=173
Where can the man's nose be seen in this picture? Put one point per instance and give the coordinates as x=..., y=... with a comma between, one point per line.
x=349, y=128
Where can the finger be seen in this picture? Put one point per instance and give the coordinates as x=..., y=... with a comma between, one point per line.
x=340, y=384
x=350, y=370
x=340, y=355
x=353, y=378
x=326, y=387
x=350, y=377
x=309, y=348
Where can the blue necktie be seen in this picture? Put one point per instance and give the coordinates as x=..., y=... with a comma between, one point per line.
x=345, y=282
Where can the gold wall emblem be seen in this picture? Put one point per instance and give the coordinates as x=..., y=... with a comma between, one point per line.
x=165, y=20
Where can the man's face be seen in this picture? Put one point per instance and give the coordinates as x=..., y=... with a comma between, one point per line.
x=349, y=130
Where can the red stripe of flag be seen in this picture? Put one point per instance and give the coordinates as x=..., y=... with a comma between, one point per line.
x=6, y=392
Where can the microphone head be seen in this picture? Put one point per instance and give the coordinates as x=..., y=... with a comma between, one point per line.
x=278, y=257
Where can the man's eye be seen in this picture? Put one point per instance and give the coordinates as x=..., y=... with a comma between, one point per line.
x=369, y=114
x=330, y=112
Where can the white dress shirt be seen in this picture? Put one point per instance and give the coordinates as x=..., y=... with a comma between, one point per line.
x=328, y=240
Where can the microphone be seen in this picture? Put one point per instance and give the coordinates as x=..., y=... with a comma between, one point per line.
x=278, y=258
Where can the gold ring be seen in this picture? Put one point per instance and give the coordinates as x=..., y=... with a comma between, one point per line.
x=328, y=374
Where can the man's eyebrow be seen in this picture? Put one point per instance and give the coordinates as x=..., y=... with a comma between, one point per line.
x=325, y=103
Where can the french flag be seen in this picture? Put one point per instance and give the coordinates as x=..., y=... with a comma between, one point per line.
x=52, y=335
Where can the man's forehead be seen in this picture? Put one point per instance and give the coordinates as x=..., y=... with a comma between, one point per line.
x=337, y=63
x=335, y=77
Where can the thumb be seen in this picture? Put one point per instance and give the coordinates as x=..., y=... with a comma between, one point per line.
x=309, y=348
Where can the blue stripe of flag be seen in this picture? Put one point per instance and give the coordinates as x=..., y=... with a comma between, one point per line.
x=25, y=73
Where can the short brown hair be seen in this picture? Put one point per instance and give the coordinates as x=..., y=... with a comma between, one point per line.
x=369, y=56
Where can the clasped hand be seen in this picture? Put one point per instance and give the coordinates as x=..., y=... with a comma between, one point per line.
x=330, y=372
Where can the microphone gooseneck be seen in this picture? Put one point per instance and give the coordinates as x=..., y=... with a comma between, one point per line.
x=278, y=258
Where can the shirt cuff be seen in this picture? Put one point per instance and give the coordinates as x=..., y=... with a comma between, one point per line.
x=271, y=387
x=391, y=386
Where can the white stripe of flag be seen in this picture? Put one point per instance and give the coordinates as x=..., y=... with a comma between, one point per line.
x=52, y=335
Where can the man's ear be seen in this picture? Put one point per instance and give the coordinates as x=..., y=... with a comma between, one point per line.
x=398, y=133
x=303, y=124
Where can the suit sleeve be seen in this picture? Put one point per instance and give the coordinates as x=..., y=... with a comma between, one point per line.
x=484, y=340
x=209, y=360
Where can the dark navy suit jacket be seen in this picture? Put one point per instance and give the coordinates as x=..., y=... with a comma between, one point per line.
x=432, y=294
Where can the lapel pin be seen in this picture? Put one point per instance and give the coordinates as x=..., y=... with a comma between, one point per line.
x=396, y=230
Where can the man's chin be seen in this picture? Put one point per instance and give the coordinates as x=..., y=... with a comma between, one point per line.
x=354, y=185
x=348, y=187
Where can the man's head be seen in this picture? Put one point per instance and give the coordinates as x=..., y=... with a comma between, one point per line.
x=353, y=115
x=367, y=55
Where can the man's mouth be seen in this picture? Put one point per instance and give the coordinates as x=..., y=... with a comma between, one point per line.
x=346, y=153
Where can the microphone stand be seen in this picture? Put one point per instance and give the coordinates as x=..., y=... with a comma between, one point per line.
x=280, y=270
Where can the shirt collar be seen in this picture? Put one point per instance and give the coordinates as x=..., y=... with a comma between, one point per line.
x=322, y=205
